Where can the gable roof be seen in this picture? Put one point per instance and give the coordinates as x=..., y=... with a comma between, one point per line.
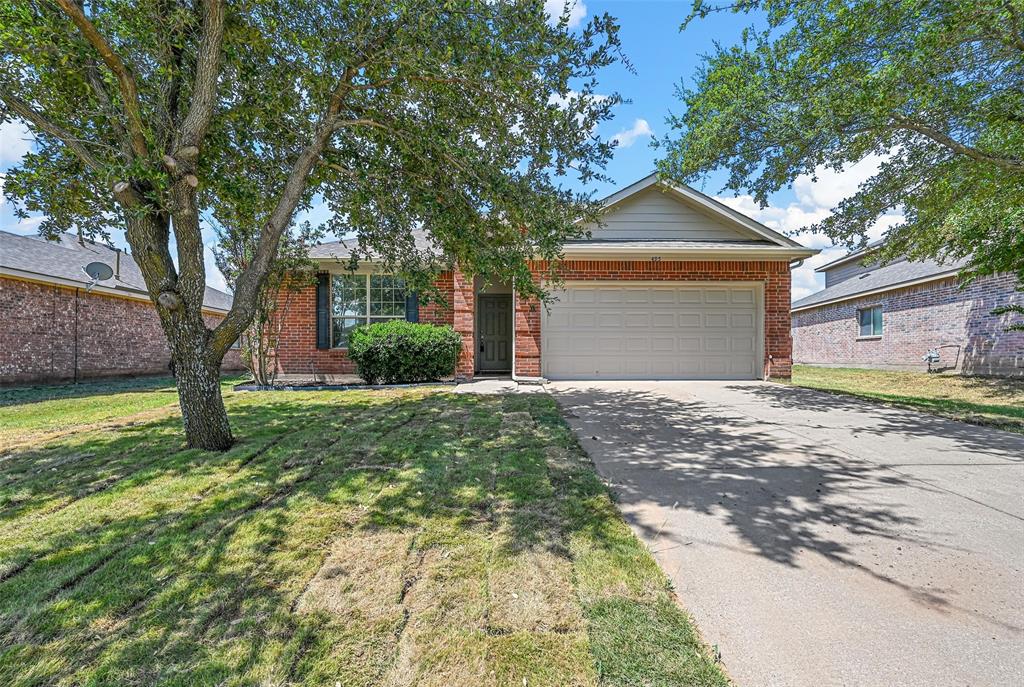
x=896, y=275
x=702, y=201
x=762, y=242
x=63, y=262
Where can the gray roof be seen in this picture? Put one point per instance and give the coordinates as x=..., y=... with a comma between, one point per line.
x=344, y=248
x=882, y=278
x=851, y=255
x=65, y=259
x=671, y=243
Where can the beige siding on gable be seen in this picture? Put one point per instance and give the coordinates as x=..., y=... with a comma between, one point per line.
x=654, y=214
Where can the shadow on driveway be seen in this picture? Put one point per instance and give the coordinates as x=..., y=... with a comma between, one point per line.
x=783, y=504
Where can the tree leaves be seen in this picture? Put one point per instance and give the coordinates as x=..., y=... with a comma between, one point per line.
x=936, y=87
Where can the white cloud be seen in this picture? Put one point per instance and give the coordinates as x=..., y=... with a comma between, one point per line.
x=627, y=137
x=817, y=195
x=15, y=141
x=214, y=277
x=827, y=187
x=555, y=8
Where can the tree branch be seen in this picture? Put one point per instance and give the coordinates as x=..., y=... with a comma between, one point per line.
x=204, y=86
x=129, y=90
x=251, y=279
x=1009, y=164
x=26, y=112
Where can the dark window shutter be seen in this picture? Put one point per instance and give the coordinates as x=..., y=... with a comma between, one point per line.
x=323, y=311
x=412, y=307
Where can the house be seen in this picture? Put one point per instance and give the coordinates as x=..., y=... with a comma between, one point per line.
x=55, y=326
x=671, y=285
x=890, y=316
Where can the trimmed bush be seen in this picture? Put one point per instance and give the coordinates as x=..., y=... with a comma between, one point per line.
x=400, y=352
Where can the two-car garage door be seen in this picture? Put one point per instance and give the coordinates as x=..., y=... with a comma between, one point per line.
x=603, y=330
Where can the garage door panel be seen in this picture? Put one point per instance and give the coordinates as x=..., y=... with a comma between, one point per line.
x=741, y=320
x=716, y=296
x=664, y=296
x=716, y=344
x=615, y=331
x=689, y=320
x=742, y=345
x=742, y=296
x=638, y=320
x=663, y=344
x=582, y=295
x=689, y=344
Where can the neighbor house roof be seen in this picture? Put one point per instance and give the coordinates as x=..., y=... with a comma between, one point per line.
x=883, y=278
x=852, y=255
x=63, y=262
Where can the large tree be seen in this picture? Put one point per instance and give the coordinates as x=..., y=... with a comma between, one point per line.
x=933, y=87
x=459, y=116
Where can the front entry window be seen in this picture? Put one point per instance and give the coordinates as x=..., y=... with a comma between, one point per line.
x=363, y=299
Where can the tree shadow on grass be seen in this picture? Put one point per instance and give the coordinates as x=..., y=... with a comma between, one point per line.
x=20, y=395
x=140, y=558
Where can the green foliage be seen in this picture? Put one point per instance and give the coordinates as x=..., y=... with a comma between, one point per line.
x=398, y=352
x=935, y=87
x=462, y=117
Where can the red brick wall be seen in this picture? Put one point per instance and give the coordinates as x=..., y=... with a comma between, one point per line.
x=915, y=319
x=773, y=274
x=116, y=336
x=298, y=354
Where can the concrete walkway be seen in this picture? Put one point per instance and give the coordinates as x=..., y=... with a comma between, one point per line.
x=818, y=539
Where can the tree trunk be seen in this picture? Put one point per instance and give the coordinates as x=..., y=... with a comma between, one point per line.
x=202, y=408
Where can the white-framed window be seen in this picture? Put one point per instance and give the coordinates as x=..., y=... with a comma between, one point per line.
x=870, y=320
x=363, y=299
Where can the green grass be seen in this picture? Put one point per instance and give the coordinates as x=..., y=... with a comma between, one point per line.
x=407, y=537
x=978, y=400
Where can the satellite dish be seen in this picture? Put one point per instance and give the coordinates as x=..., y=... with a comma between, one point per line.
x=99, y=271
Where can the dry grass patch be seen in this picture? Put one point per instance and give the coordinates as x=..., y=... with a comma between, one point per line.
x=404, y=538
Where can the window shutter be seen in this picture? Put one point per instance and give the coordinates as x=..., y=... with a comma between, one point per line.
x=412, y=307
x=323, y=311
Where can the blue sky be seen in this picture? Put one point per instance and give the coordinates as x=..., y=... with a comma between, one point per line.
x=662, y=57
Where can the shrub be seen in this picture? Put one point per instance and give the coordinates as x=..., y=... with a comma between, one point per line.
x=397, y=352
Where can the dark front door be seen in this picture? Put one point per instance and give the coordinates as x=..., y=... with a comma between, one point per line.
x=494, y=320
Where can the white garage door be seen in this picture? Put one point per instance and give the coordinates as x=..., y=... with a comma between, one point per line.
x=670, y=331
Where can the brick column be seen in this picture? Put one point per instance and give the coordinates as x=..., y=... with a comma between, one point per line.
x=527, y=333
x=464, y=321
x=778, y=337
x=527, y=359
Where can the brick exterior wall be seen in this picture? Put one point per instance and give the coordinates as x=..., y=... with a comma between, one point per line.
x=915, y=319
x=297, y=352
x=773, y=274
x=116, y=336
x=299, y=355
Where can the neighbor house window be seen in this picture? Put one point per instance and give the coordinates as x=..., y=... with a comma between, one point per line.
x=870, y=321
x=362, y=299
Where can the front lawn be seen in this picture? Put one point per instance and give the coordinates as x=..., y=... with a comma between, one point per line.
x=978, y=400
x=408, y=537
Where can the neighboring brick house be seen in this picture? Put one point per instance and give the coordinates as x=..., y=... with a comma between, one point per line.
x=890, y=316
x=671, y=285
x=52, y=329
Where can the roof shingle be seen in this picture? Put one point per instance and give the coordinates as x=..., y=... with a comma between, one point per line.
x=883, y=277
x=66, y=259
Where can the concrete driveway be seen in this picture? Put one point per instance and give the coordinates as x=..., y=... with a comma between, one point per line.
x=817, y=539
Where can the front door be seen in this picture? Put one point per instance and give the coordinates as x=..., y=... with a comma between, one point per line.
x=494, y=322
